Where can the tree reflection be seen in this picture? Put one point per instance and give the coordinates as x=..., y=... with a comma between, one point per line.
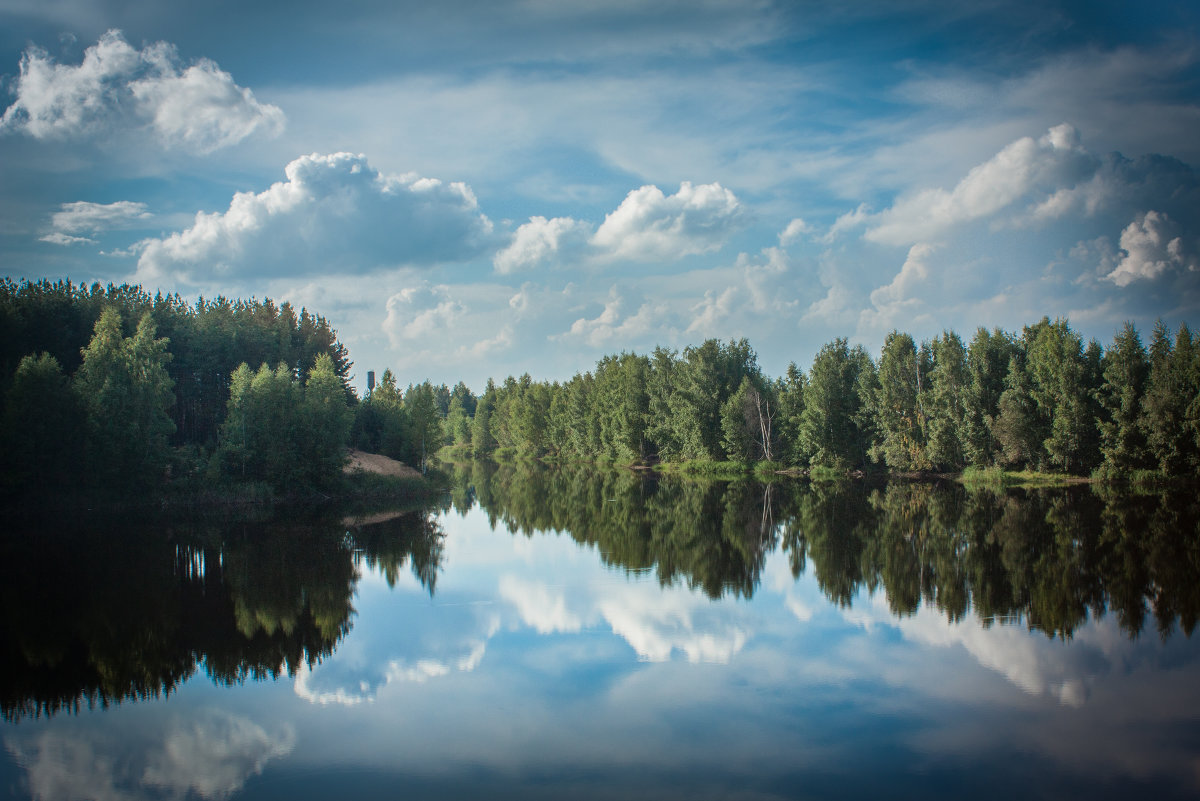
x=1049, y=558
x=94, y=614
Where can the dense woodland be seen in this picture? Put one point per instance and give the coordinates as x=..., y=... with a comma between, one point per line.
x=1040, y=400
x=111, y=388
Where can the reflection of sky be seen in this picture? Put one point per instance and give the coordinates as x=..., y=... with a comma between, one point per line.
x=535, y=670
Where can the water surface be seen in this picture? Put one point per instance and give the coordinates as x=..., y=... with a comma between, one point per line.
x=544, y=634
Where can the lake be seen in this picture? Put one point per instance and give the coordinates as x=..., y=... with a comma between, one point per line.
x=604, y=634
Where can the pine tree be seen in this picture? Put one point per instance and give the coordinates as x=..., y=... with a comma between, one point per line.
x=1018, y=429
x=1122, y=436
x=42, y=432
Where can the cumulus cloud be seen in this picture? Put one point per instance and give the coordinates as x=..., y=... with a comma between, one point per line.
x=334, y=213
x=896, y=304
x=541, y=241
x=795, y=230
x=119, y=88
x=1019, y=169
x=612, y=325
x=414, y=313
x=1150, y=249
x=647, y=226
x=651, y=226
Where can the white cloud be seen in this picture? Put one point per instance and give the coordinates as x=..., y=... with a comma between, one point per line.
x=1150, y=249
x=334, y=213
x=712, y=309
x=1019, y=169
x=59, y=238
x=611, y=328
x=913, y=272
x=795, y=230
x=647, y=226
x=119, y=88
x=417, y=313
x=896, y=305
x=541, y=241
x=651, y=226
x=84, y=216
x=847, y=222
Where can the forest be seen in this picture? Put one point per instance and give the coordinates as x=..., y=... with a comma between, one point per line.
x=1037, y=400
x=110, y=389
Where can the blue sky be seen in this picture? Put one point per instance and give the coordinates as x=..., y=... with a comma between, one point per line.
x=471, y=189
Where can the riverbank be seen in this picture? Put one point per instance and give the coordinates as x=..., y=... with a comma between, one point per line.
x=971, y=477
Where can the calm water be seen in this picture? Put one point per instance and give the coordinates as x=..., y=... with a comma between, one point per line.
x=566, y=634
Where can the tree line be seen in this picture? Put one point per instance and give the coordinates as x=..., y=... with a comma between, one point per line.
x=107, y=386
x=111, y=388
x=1040, y=399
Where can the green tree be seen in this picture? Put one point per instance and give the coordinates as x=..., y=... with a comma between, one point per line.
x=831, y=431
x=458, y=424
x=483, y=441
x=424, y=422
x=1018, y=429
x=260, y=437
x=325, y=424
x=946, y=403
x=790, y=391
x=42, y=427
x=748, y=424
x=1063, y=382
x=1170, y=387
x=127, y=394
x=1122, y=437
x=988, y=359
x=898, y=405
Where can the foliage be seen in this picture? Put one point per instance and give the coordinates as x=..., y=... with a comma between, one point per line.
x=126, y=392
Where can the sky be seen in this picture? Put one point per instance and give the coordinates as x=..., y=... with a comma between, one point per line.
x=480, y=189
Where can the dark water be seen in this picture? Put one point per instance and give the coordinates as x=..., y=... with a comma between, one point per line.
x=551, y=634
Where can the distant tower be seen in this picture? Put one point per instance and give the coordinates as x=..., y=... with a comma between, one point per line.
x=370, y=382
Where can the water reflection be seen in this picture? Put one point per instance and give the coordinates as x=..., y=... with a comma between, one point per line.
x=563, y=632
x=1050, y=558
x=98, y=613
x=209, y=756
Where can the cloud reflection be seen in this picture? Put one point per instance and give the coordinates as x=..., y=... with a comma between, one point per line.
x=1036, y=664
x=211, y=757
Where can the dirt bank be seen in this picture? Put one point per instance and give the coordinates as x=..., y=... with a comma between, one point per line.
x=376, y=463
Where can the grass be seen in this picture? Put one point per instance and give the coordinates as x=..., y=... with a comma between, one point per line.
x=998, y=478
x=706, y=467
x=822, y=472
